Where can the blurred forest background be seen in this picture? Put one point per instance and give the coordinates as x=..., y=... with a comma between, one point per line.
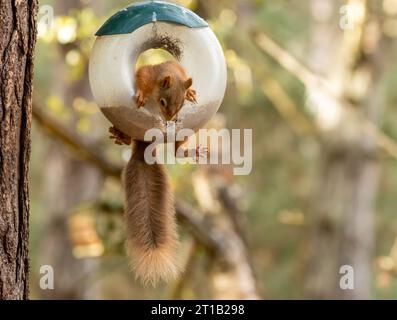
x=314, y=80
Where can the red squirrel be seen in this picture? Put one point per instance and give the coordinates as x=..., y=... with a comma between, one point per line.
x=149, y=207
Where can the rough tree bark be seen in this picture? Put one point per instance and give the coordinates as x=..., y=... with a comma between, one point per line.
x=17, y=43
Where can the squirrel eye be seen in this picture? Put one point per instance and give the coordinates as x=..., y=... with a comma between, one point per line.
x=163, y=102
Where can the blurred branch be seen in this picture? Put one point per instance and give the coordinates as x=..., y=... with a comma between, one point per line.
x=202, y=228
x=317, y=83
x=226, y=243
x=351, y=46
x=286, y=107
x=276, y=94
x=216, y=238
x=68, y=136
x=230, y=203
x=291, y=64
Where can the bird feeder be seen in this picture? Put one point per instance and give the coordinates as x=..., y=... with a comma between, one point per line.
x=155, y=25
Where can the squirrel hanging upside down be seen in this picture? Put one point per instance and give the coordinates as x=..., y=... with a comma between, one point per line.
x=149, y=206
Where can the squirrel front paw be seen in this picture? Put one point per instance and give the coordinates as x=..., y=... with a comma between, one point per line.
x=201, y=152
x=191, y=95
x=141, y=99
x=119, y=137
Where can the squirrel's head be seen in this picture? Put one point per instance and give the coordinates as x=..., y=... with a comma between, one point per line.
x=171, y=95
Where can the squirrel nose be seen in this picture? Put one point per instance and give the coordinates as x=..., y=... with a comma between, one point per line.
x=169, y=115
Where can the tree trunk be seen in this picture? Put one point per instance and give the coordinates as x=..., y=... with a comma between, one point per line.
x=77, y=181
x=343, y=219
x=344, y=224
x=17, y=43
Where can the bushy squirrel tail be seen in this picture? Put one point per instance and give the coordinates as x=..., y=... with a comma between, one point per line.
x=150, y=219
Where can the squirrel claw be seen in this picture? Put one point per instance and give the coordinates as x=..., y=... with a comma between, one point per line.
x=191, y=95
x=119, y=137
x=141, y=100
x=201, y=152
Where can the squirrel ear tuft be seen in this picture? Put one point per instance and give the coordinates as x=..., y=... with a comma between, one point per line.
x=188, y=83
x=166, y=83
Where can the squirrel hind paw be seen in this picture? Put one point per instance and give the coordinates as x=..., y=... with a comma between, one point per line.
x=119, y=137
x=201, y=152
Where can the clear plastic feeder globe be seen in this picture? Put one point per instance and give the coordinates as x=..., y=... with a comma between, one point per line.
x=155, y=25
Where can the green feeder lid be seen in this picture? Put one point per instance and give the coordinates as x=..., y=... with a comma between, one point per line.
x=139, y=14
